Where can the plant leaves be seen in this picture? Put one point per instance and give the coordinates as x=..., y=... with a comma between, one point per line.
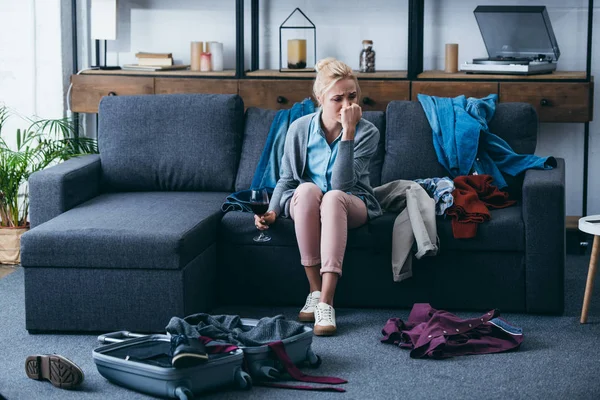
x=44, y=143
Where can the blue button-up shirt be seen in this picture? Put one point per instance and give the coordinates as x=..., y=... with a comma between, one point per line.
x=320, y=155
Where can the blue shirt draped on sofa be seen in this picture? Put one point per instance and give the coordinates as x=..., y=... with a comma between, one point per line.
x=464, y=144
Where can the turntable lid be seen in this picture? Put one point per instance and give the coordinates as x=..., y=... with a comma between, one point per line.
x=517, y=31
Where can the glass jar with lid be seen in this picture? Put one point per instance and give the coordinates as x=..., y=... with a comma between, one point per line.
x=367, y=57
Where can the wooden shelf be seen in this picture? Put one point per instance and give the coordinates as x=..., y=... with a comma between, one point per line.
x=229, y=73
x=557, y=75
x=274, y=73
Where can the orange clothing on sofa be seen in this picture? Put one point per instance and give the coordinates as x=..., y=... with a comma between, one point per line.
x=473, y=196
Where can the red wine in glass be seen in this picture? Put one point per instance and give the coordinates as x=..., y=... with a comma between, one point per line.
x=259, y=208
x=259, y=203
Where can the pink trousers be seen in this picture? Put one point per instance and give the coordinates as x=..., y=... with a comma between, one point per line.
x=322, y=222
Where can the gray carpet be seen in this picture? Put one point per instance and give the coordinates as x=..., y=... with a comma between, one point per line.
x=559, y=358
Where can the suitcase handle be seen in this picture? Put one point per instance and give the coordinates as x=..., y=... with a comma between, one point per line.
x=118, y=337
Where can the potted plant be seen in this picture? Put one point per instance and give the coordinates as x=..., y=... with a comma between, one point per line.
x=42, y=143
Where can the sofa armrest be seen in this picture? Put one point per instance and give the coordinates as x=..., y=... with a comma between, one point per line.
x=59, y=188
x=544, y=218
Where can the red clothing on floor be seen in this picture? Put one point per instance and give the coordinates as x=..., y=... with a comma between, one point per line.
x=473, y=196
x=431, y=333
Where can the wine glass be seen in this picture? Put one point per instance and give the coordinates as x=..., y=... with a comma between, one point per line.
x=259, y=203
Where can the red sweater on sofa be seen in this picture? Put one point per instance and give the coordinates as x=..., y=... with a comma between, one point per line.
x=473, y=196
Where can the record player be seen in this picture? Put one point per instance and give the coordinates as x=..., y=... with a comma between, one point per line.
x=519, y=41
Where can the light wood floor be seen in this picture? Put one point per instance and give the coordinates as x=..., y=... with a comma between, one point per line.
x=7, y=269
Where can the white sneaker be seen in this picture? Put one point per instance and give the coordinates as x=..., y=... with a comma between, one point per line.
x=307, y=314
x=324, y=320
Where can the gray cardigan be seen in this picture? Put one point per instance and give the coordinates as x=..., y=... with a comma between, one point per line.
x=350, y=171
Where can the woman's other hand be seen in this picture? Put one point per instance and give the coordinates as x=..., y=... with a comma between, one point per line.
x=263, y=222
x=351, y=115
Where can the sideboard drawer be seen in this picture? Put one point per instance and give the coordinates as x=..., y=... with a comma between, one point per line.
x=453, y=89
x=89, y=89
x=192, y=85
x=274, y=94
x=554, y=102
x=375, y=95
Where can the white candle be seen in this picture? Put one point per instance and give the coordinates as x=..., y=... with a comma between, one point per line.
x=216, y=49
x=296, y=50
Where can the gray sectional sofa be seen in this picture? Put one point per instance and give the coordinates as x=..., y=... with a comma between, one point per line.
x=135, y=235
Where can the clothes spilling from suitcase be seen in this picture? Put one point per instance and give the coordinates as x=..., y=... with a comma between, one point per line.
x=203, y=353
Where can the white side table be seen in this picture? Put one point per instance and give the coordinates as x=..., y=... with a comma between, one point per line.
x=591, y=225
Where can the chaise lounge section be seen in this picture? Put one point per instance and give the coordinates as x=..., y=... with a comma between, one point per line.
x=135, y=235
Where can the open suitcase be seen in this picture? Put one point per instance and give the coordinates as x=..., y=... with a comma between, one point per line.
x=120, y=363
x=262, y=363
x=142, y=363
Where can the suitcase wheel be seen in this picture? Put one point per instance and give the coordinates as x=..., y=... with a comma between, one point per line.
x=184, y=393
x=314, y=361
x=269, y=372
x=243, y=380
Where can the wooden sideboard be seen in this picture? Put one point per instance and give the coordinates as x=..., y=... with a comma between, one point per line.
x=558, y=97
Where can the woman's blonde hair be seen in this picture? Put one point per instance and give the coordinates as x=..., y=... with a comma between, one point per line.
x=330, y=71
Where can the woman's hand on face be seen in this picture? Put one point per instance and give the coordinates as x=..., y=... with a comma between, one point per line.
x=351, y=115
x=263, y=222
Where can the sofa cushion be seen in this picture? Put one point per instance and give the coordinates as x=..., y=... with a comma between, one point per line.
x=517, y=123
x=238, y=228
x=256, y=130
x=504, y=232
x=162, y=230
x=177, y=142
x=377, y=118
x=409, y=151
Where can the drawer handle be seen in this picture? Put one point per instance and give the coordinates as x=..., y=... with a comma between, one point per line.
x=281, y=100
x=112, y=94
x=544, y=102
x=367, y=101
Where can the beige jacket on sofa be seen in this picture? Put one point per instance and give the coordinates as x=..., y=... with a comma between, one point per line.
x=416, y=221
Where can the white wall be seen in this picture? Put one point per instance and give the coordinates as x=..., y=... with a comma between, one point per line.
x=35, y=57
x=17, y=69
x=32, y=74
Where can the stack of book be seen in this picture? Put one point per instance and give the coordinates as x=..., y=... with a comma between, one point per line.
x=154, y=62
